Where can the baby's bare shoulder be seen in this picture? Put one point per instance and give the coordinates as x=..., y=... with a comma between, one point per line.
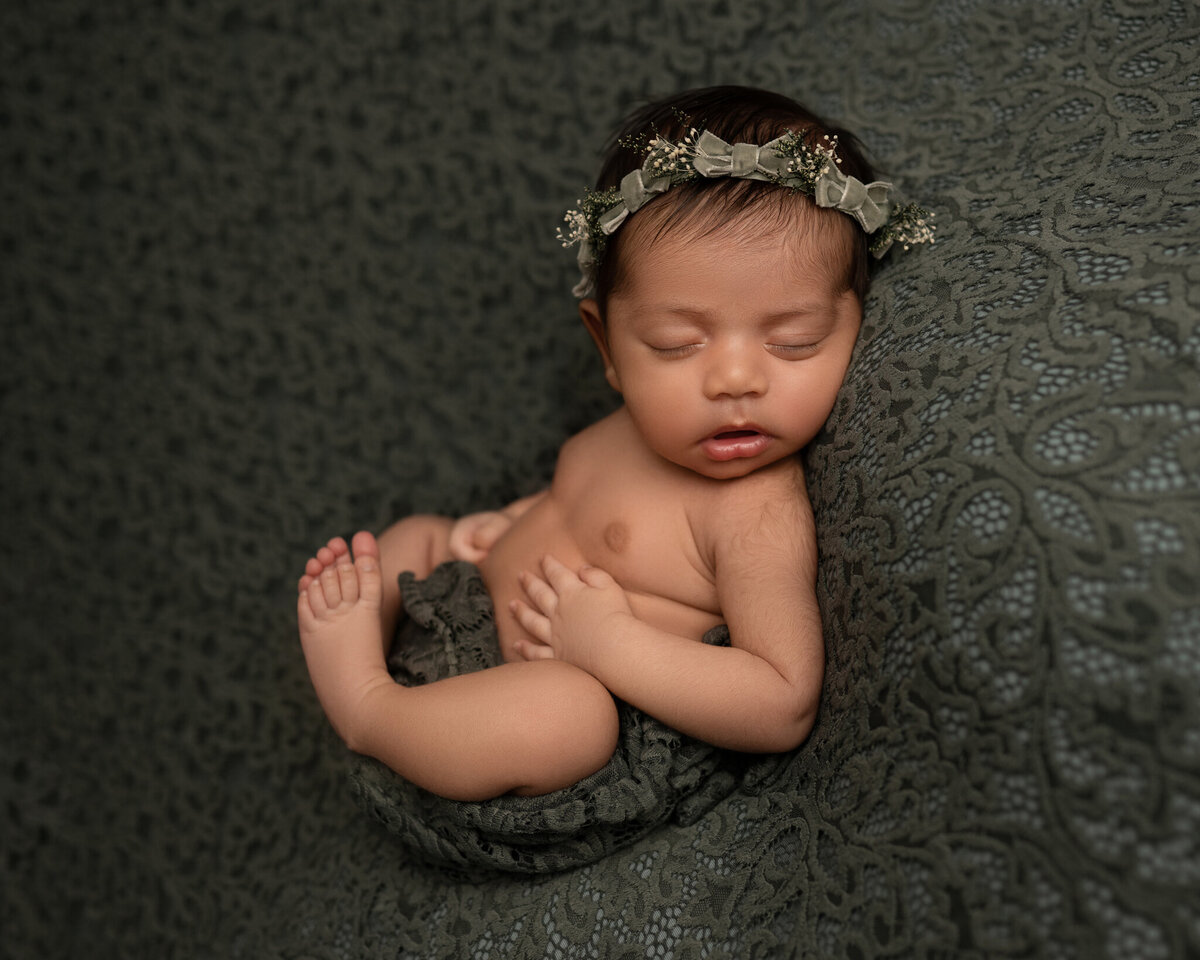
x=779, y=486
x=581, y=454
x=593, y=440
x=763, y=510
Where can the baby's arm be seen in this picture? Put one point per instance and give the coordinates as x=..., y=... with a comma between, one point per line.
x=474, y=535
x=760, y=694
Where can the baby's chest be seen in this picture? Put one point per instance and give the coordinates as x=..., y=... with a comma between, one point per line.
x=646, y=542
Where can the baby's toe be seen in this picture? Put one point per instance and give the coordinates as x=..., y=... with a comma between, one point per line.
x=365, y=544
x=370, y=581
x=315, y=595
x=331, y=586
x=348, y=581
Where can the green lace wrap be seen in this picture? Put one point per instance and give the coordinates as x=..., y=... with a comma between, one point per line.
x=656, y=774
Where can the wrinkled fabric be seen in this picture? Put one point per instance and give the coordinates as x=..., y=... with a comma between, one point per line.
x=656, y=775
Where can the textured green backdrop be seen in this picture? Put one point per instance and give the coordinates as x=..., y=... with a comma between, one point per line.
x=273, y=271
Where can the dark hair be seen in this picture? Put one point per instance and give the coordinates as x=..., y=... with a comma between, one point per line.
x=736, y=115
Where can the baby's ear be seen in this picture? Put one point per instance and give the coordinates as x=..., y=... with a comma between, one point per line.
x=589, y=312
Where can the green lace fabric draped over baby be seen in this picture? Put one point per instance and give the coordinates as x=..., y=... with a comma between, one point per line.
x=656, y=774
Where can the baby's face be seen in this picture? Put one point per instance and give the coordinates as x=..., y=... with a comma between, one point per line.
x=729, y=352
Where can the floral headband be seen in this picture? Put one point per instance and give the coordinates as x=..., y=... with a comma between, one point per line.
x=787, y=161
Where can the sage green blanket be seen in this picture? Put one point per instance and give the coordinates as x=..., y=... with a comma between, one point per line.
x=275, y=271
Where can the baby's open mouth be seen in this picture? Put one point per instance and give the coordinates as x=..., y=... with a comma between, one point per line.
x=735, y=434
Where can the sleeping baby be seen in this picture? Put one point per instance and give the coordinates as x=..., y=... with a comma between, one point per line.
x=724, y=256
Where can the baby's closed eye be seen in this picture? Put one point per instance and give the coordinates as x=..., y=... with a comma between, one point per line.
x=675, y=350
x=794, y=350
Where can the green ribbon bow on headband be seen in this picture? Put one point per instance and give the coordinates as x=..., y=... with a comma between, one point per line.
x=635, y=191
x=744, y=161
x=867, y=203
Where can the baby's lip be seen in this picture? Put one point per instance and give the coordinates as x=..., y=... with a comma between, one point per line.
x=735, y=441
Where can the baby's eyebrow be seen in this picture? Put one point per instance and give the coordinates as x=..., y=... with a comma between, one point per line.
x=681, y=310
x=799, y=312
x=685, y=311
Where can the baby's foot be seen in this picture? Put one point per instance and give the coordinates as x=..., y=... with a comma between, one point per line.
x=338, y=609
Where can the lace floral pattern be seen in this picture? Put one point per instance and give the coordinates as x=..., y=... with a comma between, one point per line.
x=655, y=775
x=233, y=245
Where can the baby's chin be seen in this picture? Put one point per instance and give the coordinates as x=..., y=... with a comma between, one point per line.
x=736, y=468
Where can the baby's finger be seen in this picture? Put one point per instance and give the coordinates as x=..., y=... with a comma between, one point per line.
x=528, y=650
x=458, y=545
x=595, y=577
x=489, y=531
x=466, y=551
x=540, y=592
x=560, y=577
x=537, y=625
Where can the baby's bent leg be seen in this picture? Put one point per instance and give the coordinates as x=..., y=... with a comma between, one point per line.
x=349, y=604
x=338, y=610
x=527, y=728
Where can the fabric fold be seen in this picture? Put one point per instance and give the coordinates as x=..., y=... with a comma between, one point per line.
x=655, y=776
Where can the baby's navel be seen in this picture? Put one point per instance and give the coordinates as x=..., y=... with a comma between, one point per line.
x=616, y=536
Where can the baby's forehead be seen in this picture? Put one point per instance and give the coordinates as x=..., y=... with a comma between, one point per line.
x=816, y=239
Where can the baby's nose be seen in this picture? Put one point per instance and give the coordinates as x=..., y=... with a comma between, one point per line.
x=735, y=374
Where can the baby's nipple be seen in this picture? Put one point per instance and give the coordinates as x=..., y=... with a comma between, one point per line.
x=616, y=536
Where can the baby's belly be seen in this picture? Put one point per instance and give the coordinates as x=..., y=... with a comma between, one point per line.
x=541, y=531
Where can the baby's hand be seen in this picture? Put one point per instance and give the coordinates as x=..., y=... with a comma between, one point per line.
x=473, y=536
x=570, y=613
